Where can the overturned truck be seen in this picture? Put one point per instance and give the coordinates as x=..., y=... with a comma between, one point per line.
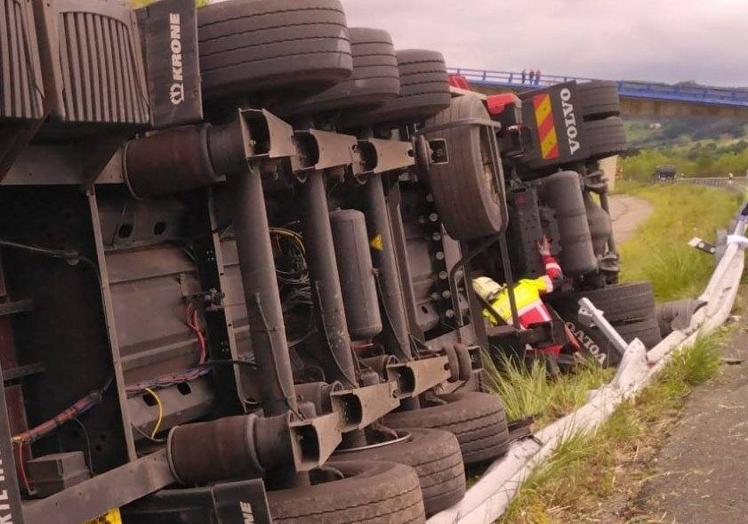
x=236, y=248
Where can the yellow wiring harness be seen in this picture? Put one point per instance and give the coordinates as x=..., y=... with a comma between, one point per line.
x=160, y=419
x=293, y=235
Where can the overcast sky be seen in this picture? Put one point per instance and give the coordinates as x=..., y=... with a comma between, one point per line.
x=662, y=40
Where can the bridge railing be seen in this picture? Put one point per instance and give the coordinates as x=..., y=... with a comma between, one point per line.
x=652, y=90
x=510, y=78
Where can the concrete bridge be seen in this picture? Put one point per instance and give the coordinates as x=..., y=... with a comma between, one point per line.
x=637, y=98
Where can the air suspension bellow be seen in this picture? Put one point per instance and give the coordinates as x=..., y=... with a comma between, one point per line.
x=169, y=161
x=245, y=446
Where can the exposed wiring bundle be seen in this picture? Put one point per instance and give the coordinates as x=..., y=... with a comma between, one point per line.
x=83, y=405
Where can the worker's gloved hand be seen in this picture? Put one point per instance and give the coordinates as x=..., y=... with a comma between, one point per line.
x=544, y=247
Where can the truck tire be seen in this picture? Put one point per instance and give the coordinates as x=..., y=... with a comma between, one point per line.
x=424, y=91
x=375, y=78
x=436, y=457
x=605, y=137
x=476, y=419
x=599, y=99
x=648, y=331
x=371, y=492
x=628, y=302
x=250, y=46
x=465, y=194
x=598, y=345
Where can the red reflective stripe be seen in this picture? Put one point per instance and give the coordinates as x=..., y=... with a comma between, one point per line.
x=551, y=267
x=534, y=313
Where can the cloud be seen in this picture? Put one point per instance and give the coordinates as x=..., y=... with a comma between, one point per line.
x=659, y=40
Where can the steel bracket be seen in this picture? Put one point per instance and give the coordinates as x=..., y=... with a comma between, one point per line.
x=361, y=406
x=381, y=156
x=318, y=150
x=416, y=376
x=265, y=136
x=112, y=489
x=314, y=440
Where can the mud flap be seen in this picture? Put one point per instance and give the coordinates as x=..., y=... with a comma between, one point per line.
x=239, y=502
x=169, y=33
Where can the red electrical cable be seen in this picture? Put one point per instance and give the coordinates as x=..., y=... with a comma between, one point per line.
x=192, y=322
x=32, y=435
x=22, y=469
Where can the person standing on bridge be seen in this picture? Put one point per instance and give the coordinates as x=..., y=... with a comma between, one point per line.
x=537, y=77
x=532, y=76
x=524, y=75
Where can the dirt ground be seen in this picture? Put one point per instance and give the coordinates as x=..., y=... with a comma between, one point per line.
x=701, y=472
x=627, y=213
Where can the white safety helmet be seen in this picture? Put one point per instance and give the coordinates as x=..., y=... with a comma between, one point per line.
x=487, y=288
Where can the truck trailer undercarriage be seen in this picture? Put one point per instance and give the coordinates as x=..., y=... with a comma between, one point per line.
x=237, y=246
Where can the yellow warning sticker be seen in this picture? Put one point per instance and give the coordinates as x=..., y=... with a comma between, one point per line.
x=110, y=517
x=377, y=242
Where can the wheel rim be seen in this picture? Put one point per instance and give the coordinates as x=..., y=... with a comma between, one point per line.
x=402, y=436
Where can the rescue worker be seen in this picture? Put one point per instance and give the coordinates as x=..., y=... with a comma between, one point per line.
x=527, y=293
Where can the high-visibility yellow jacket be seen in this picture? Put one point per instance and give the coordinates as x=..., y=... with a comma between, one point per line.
x=530, y=307
x=527, y=291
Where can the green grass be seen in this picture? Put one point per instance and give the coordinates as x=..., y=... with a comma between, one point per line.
x=697, y=147
x=529, y=391
x=700, y=159
x=659, y=251
x=588, y=467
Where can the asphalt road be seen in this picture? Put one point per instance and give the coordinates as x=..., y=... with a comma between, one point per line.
x=701, y=474
x=627, y=212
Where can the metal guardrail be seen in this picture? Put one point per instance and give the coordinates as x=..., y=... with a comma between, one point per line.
x=489, y=497
x=739, y=185
x=651, y=90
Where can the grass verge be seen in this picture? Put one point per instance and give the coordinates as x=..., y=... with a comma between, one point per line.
x=530, y=391
x=659, y=252
x=588, y=467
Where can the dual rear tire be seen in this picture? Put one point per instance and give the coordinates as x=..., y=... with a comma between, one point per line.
x=371, y=492
x=436, y=457
x=476, y=419
x=249, y=47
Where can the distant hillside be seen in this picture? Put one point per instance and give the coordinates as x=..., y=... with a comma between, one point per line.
x=648, y=133
x=696, y=146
